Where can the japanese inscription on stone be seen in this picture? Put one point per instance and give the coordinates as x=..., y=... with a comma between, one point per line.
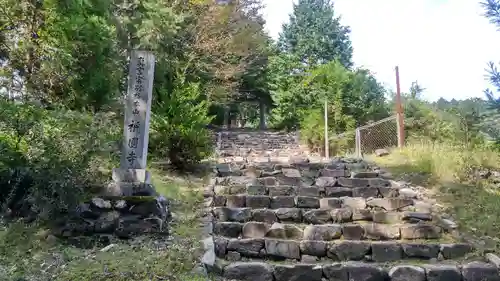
x=138, y=110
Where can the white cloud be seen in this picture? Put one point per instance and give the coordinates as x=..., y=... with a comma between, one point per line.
x=443, y=44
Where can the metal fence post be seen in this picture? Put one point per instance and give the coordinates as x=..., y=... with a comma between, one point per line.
x=358, y=142
x=327, y=143
x=399, y=112
x=400, y=124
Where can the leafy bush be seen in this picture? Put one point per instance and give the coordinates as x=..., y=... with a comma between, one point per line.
x=178, y=129
x=312, y=128
x=51, y=158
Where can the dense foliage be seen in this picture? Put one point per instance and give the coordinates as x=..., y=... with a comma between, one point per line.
x=63, y=78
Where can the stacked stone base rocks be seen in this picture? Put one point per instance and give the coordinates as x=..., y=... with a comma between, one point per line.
x=339, y=221
x=129, y=206
x=123, y=217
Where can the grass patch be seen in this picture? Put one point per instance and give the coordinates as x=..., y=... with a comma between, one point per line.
x=452, y=174
x=29, y=252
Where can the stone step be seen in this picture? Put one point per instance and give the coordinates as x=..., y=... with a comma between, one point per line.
x=348, y=170
x=310, y=191
x=308, y=202
x=271, y=179
x=347, y=231
x=356, y=271
x=319, y=170
x=340, y=250
x=318, y=216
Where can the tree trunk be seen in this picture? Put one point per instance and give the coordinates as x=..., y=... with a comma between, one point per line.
x=262, y=112
x=226, y=117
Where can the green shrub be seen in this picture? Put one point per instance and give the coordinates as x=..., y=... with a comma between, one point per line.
x=49, y=158
x=178, y=127
x=341, y=133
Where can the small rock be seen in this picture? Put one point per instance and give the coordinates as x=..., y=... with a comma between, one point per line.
x=381, y=231
x=387, y=217
x=283, y=248
x=443, y=272
x=233, y=256
x=407, y=273
x=120, y=204
x=421, y=251
x=285, y=231
x=306, y=202
x=233, y=214
x=246, y=247
x=478, y=271
x=325, y=182
x=381, y=152
x=313, y=248
x=107, y=222
x=354, y=202
x=298, y=272
x=390, y=204
x=101, y=203
x=353, y=231
x=255, y=230
x=107, y=248
x=386, y=251
x=363, y=271
x=264, y=215
x=228, y=229
x=258, y=201
x=420, y=231
x=322, y=232
x=342, y=215
x=289, y=214
x=408, y=193
x=336, y=271
x=348, y=250
x=453, y=251
x=282, y=202
x=317, y=216
x=308, y=259
x=249, y=271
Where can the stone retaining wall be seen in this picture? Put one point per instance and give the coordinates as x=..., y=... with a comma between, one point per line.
x=122, y=216
x=243, y=143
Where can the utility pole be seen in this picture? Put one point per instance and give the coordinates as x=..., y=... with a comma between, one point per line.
x=327, y=146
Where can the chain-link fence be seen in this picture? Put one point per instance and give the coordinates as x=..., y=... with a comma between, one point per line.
x=377, y=135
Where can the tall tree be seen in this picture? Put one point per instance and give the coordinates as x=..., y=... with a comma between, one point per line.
x=315, y=34
x=492, y=12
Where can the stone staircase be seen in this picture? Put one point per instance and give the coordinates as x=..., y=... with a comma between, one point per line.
x=251, y=143
x=338, y=221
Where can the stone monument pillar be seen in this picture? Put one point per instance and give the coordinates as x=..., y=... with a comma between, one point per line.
x=132, y=178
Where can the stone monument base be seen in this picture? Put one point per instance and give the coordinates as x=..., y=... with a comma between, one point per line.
x=123, y=217
x=130, y=182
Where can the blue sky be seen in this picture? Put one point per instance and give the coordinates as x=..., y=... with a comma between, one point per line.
x=444, y=44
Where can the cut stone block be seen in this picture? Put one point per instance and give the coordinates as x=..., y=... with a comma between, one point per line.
x=131, y=175
x=130, y=189
x=283, y=248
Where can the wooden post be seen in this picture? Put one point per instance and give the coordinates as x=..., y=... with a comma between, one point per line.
x=226, y=116
x=327, y=145
x=262, y=115
x=399, y=112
